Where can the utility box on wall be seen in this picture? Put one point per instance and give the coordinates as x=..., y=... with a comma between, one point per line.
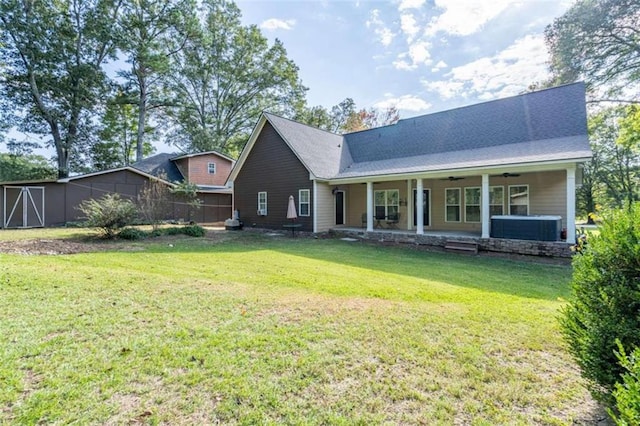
x=539, y=228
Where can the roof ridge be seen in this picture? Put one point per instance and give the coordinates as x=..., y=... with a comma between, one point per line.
x=300, y=123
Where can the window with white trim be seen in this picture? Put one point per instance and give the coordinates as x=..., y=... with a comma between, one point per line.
x=304, y=202
x=262, y=203
x=452, y=204
x=386, y=203
x=211, y=168
x=496, y=201
x=519, y=200
x=472, y=196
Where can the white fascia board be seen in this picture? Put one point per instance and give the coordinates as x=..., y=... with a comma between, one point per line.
x=246, y=150
x=465, y=172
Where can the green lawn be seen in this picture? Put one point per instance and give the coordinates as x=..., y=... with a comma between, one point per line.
x=262, y=330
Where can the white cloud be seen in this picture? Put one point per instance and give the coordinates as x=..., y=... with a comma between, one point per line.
x=403, y=65
x=406, y=102
x=417, y=55
x=277, y=24
x=439, y=66
x=506, y=74
x=465, y=17
x=385, y=35
x=408, y=26
x=410, y=4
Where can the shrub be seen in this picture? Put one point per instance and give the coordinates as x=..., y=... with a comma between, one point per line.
x=153, y=200
x=194, y=231
x=108, y=213
x=132, y=234
x=174, y=230
x=606, y=301
x=627, y=392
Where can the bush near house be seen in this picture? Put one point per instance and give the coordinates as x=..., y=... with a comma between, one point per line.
x=627, y=392
x=138, y=234
x=606, y=301
x=108, y=214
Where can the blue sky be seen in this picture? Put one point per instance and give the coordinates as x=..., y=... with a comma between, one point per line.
x=420, y=55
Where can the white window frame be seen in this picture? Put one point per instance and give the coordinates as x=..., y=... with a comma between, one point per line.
x=446, y=205
x=527, y=198
x=302, y=203
x=467, y=204
x=262, y=203
x=388, y=202
x=491, y=188
x=209, y=168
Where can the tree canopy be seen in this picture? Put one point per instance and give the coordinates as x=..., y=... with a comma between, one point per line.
x=199, y=72
x=224, y=77
x=54, y=53
x=20, y=167
x=598, y=41
x=345, y=117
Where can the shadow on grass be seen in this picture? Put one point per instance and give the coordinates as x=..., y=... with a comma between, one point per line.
x=506, y=276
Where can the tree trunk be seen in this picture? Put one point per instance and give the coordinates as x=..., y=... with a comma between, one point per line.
x=142, y=112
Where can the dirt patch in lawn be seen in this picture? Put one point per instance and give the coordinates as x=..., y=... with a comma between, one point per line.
x=58, y=246
x=48, y=246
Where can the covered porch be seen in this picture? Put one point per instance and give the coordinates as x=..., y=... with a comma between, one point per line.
x=456, y=203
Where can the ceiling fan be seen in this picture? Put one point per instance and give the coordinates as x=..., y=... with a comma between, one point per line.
x=452, y=178
x=507, y=174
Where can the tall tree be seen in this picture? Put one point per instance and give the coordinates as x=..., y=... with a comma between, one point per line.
x=598, y=41
x=615, y=167
x=54, y=52
x=150, y=32
x=118, y=136
x=224, y=77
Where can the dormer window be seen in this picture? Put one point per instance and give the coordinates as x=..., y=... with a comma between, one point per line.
x=211, y=167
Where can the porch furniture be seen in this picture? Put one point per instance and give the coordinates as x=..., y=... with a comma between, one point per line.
x=293, y=227
x=379, y=219
x=392, y=220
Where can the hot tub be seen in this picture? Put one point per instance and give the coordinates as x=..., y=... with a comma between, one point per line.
x=539, y=228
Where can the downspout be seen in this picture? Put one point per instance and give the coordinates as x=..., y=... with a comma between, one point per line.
x=315, y=206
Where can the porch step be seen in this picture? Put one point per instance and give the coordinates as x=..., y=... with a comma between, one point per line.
x=466, y=246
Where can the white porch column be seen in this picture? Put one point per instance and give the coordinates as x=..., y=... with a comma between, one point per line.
x=571, y=205
x=485, y=203
x=419, y=207
x=409, y=206
x=369, y=206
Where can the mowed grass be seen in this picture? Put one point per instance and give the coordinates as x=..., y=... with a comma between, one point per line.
x=263, y=330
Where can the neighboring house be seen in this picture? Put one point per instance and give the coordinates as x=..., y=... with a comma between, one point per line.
x=55, y=202
x=447, y=171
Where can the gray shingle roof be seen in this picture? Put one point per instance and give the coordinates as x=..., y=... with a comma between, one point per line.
x=547, y=125
x=320, y=151
x=519, y=153
x=158, y=164
x=548, y=114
